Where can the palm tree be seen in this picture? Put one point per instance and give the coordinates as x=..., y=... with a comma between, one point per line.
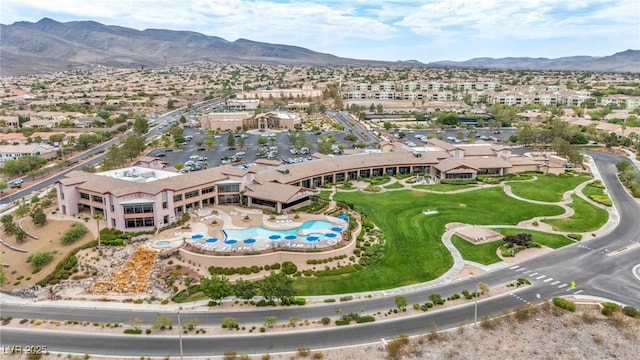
x=97, y=218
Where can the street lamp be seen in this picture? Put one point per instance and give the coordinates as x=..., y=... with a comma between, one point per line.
x=475, y=297
x=180, y=333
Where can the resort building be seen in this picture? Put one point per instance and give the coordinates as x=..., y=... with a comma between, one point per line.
x=146, y=197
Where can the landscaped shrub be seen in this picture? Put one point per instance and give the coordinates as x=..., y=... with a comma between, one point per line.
x=325, y=321
x=608, y=308
x=575, y=236
x=346, y=298
x=365, y=319
x=133, y=331
x=330, y=300
x=289, y=268
x=340, y=322
x=631, y=311
x=73, y=234
x=564, y=304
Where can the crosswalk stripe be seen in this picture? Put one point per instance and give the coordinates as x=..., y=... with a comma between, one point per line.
x=578, y=292
x=541, y=276
x=547, y=280
x=561, y=286
x=555, y=282
x=521, y=269
x=535, y=273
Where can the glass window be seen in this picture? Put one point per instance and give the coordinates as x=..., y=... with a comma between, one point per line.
x=177, y=197
x=191, y=194
x=84, y=196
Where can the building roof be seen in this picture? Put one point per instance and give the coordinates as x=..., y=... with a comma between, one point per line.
x=272, y=191
x=286, y=174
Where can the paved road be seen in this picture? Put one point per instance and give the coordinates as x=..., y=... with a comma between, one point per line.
x=589, y=264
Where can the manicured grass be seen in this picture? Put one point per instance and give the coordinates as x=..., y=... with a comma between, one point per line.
x=553, y=241
x=395, y=185
x=414, y=251
x=443, y=187
x=324, y=194
x=484, y=254
x=587, y=217
x=378, y=180
x=597, y=194
x=547, y=188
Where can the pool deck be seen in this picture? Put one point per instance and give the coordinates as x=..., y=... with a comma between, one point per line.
x=234, y=218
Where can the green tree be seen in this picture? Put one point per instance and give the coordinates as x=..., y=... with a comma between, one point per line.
x=8, y=224
x=183, y=120
x=401, y=301
x=241, y=142
x=136, y=322
x=171, y=104
x=449, y=119
x=216, y=287
x=270, y=321
x=209, y=141
x=38, y=216
x=230, y=323
x=231, y=140
x=22, y=210
x=21, y=235
x=276, y=286
x=263, y=141
x=379, y=109
x=3, y=185
x=244, y=289
x=98, y=218
x=162, y=322
x=140, y=126
x=387, y=125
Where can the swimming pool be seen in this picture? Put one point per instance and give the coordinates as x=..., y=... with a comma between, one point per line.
x=163, y=243
x=315, y=228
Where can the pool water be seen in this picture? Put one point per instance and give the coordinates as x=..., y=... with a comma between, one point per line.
x=319, y=227
x=163, y=243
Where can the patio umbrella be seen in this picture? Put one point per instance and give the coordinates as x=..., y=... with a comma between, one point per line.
x=343, y=217
x=275, y=237
x=249, y=241
x=290, y=237
x=230, y=241
x=211, y=240
x=336, y=229
x=330, y=235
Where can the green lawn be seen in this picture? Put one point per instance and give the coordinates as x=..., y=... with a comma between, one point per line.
x=443, y=187
x=324, y=194
x=378, y=180
x=597, y=194
x=395, y=185
x=587, y=217
x=484, y=254
x=548, y=188
x=553, y=241
x=414, y=251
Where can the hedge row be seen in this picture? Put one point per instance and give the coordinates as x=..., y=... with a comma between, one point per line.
x=564, y=304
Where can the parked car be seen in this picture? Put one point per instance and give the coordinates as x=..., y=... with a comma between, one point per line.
x=17, y=183
x=161, y=155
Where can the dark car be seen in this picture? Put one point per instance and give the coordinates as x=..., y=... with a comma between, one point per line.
x=161, y=155
x=201, y=148
x=168, y=150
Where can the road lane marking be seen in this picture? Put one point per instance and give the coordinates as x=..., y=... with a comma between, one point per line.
x=547, y=280
x=521, y=269
x=534, y=274
x=540, y=277
x=555, y=282
x=514, y=267
x=578, y=292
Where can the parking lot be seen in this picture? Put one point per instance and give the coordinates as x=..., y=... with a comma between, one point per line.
x=277, y=147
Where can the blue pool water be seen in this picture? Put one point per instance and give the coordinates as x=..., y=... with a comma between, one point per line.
x=163, y=243
x=319, y=227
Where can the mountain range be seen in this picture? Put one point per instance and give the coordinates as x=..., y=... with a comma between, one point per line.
x=49, y=45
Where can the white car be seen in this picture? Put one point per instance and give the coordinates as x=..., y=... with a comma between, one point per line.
x=193, y=157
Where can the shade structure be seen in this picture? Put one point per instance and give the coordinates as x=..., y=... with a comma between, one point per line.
x=249, y=241
x=197, y=236
x=343, y=217
x=275, y=237
x=336, y=229
x=211, y=240
x=330, y=235
x=230, y=241
x=290, y=237
x=312, y=238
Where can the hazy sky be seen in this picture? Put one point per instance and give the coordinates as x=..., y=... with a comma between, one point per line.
x=428, y=30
